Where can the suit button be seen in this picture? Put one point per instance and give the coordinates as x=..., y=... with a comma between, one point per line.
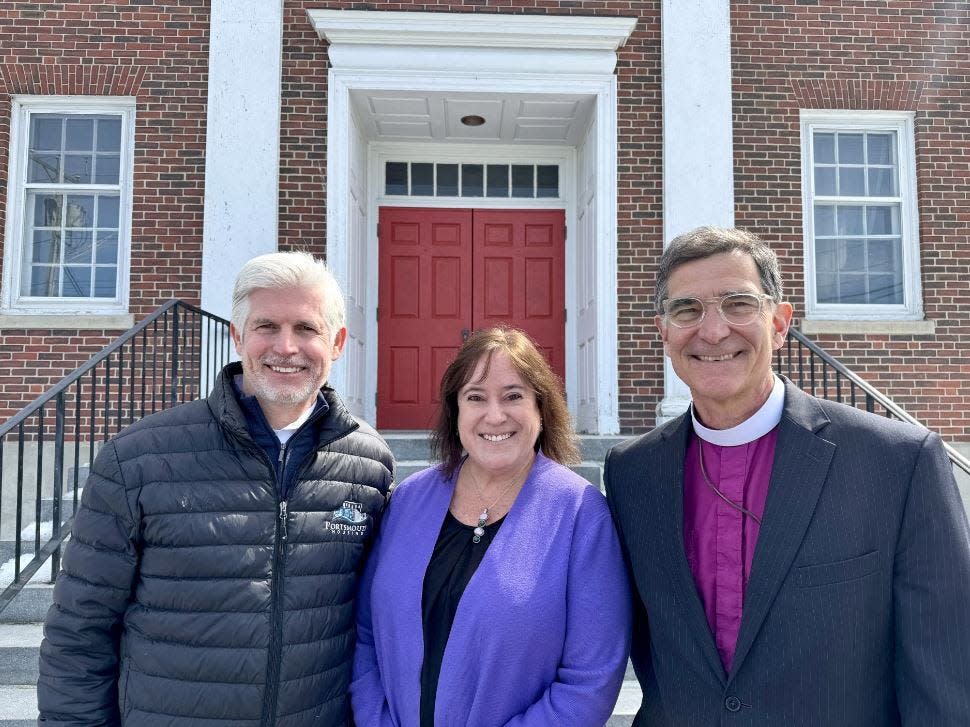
x=732, y=704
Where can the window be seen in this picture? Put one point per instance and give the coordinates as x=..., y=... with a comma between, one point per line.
x=426, y=179
x=861, y=231
x=69, y=205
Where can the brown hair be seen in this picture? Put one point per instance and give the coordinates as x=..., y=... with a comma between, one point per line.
x=557, y=439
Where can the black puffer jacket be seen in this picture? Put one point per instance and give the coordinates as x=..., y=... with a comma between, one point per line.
x=187, y=600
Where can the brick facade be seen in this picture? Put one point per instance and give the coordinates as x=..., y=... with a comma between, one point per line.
x=787, y=56
x=910, y=56
x=156, y=52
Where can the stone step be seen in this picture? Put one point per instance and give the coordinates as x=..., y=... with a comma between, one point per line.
x=19, y=651
x=18, y=706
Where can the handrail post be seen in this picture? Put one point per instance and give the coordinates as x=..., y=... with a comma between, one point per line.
x=58, y=482
x=175, y=356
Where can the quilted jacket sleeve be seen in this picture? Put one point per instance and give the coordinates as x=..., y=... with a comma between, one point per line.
x=79, y=657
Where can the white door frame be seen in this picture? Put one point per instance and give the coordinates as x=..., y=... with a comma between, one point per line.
x=374, y=51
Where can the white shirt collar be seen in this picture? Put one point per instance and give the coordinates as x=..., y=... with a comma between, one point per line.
x=284, y=433
x=755, y=426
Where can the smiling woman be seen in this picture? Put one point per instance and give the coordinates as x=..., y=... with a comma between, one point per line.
x=503, y=555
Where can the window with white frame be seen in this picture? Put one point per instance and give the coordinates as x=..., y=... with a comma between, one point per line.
x=861, y=227
x=69, y=202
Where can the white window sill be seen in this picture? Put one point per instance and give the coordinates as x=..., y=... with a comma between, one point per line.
x=63, y=321
x=892, y=328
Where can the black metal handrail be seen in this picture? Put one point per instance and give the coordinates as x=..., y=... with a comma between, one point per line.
x=170, y=357
x=816, y=371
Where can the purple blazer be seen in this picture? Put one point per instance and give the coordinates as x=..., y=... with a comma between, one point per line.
x=542, y=633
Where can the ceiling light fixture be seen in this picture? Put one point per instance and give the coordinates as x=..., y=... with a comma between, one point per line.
x=473, y=120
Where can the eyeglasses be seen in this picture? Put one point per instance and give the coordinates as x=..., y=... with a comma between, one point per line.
x=739, y=309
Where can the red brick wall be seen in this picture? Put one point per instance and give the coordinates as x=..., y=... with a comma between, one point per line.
x=157, y=52
x=904, y=55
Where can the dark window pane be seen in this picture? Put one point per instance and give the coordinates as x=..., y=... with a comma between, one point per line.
x=107, y=211
x=396, y=178
x=852, y=257
x=46, y=247
x=885, y=289
x=47, y=210
x=881, y=182
x=104, y=282
x=850, y=220
x=447, y=180
x=107, y=169
x=77, y=168
x=78, y=247
x=422, y=180
x=77, y=282
x=881, y=149
x=825, y=180
x=826, y=255
x=80, y=211
x=106, y=250
x=882, y=220
x=109, y=134
x=523, y=180
x=827, y=288
x=472, y=180
x=80, y=135
x=44, y=168
x=824, y=148
x=852, y=288
x=547, y=180
x=824, y=219
x=45, y=133
x=882, y=256
x=852, y=181
x=498, y=180
x=850, y=148
x=43, y=281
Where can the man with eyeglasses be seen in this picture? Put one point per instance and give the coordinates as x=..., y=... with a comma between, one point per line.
x=796, y=561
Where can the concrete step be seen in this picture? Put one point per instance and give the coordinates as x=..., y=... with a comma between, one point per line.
x=18, y=706
x=19, y=651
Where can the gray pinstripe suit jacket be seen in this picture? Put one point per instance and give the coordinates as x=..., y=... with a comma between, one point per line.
x=857, y=612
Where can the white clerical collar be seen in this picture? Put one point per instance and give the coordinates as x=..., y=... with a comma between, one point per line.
x=755, y=426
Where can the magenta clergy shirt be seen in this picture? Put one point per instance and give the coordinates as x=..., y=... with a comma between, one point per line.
x=718, y=539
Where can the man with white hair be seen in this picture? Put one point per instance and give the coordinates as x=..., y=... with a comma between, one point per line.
x=213, y=564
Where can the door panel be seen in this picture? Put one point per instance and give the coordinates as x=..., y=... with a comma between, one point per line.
x=521, y=256
x=424, y=301
x=443, y=271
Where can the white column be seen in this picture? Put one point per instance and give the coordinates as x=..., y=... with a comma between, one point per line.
x=242, y=142
x=698, y=166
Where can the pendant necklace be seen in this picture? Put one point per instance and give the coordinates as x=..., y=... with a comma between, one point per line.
x=740, y=508
x=479, y=530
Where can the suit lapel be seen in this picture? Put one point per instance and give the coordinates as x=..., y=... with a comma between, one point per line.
x=671, y=522
x=799, y=471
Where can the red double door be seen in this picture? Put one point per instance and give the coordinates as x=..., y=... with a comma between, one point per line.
x=446, y=272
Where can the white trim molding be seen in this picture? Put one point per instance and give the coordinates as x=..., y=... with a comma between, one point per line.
x=900, y=123
x=698, y=136
x=486, y=55
x=471, y=30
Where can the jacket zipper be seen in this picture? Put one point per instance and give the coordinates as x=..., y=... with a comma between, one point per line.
x=275, y=650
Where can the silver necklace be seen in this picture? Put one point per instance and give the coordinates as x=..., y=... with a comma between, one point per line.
x=479, y=530
x=740, y=508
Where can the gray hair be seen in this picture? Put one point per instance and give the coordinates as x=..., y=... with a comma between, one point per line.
x=704, y=242
x=281, y=270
